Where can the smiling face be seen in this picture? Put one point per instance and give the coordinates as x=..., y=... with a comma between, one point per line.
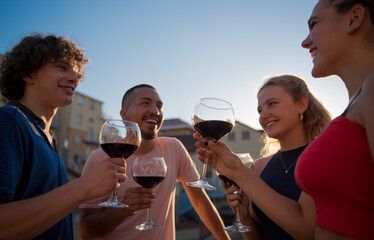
x=279, y=114
x=327, y=40
x=53, y=85
x=145, y=108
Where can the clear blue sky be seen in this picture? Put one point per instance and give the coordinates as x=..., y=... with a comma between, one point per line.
x=187, y=49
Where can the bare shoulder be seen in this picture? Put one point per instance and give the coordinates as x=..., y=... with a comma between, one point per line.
x=366, y=100
x=260, y=164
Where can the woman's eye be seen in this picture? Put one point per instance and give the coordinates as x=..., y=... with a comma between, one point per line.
x=272, y=104
x=311, y=25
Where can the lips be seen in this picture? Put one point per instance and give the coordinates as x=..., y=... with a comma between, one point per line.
x=269, y=124
x=313, y=52
x=151, y=120
x=68, y=88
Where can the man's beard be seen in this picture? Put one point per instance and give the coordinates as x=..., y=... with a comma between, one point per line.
x=149, y=135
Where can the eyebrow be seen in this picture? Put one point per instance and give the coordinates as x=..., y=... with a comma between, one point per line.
x=149, y=99
x=270, y=99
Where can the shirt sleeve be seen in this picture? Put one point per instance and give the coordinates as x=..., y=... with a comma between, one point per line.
x=187, y=171
x=11, y=160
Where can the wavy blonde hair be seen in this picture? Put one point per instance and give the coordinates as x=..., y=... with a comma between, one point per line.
x=315, y=118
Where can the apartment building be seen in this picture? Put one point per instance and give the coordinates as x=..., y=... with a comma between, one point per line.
x=76, y=129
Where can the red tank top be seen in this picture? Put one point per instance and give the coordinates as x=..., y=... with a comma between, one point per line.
x=337, y=171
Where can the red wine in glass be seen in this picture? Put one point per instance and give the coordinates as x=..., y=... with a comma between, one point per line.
x=148, y=181
x=118, y=139
x=119, y=150
x=213, y=129
x=148, y=172
x=212, y=118
x=227, y=181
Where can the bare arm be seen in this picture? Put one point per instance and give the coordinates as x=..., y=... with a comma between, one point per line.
x=206, y=210
x=366, y=109
x=296, y=218
x=96, y=223
x=28, y=218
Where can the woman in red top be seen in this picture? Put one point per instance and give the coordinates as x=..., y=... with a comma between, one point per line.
x=337, y=169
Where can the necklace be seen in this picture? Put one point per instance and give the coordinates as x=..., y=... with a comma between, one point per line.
x=286, y=169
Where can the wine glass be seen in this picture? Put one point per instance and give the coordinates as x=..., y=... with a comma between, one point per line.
x=212, y=118
x=119, y=139
x=237, y=225
x=148, y=172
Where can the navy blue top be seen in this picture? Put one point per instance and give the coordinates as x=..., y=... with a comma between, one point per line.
x=284, y=183
x=29, y=164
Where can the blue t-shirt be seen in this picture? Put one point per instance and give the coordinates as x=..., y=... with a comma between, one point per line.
x=29, y=164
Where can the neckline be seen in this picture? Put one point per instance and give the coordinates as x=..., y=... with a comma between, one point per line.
x=351, y=102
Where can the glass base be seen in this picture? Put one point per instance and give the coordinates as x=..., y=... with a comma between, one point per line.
x=201, y=183
x=238, y=227
x=113, y=204
x=147, y=225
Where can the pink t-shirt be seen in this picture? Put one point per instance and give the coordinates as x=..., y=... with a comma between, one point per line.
x=180, y=167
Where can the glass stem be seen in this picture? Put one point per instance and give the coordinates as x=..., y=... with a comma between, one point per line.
x=114, y=196
x=203, y=174
x=148, y=216
x=237, y=217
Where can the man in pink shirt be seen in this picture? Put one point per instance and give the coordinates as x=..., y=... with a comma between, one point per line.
x=143, y=105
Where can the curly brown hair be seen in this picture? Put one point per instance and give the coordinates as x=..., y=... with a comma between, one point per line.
x=30, y=54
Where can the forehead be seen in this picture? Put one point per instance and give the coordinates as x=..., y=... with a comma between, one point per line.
x=71, y=63
x=320, y=6
x=145, y=93
x=272, y=92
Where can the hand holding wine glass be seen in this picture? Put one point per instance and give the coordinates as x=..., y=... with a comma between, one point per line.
x=119, y=139
x=212, y=118
x=149, y=172
x=237, y=225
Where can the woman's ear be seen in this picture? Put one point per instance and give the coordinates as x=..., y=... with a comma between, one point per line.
x=356, y=18
x=303, y=104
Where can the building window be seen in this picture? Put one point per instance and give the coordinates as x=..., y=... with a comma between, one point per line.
x=80, y=101
x=79, y=119
x=91, y=120
x=90, y=134
x=231, y=136
x=245, y=135
x=78, y=139
x=92, y=105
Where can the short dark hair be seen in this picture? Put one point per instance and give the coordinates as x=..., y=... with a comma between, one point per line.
x=30, y=54
x=126, y=96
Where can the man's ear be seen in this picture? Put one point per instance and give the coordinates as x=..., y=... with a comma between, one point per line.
x=28, y=79
x=356, y=18
x=123, y=113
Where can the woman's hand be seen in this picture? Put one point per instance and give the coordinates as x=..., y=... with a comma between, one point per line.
x=219, y=156
x=237, y=199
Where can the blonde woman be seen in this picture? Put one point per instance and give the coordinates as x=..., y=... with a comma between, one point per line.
x=291, y=118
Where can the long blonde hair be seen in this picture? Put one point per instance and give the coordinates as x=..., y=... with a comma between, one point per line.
x=315, y=118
